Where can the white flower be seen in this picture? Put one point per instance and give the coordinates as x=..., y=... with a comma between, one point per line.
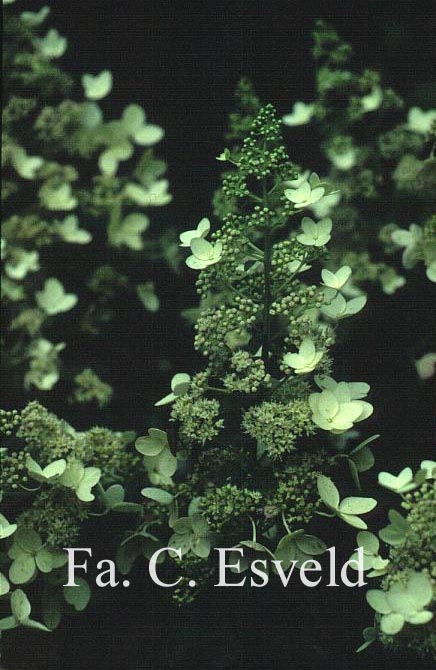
x=426, y=366
x=53, y=299
x=98, y=86
x=431, y=271
x=110, y=158
x=34, y=19
x=21, y=263
x=401, y=483
x=43, y=371
x=134, y=122
x=203, y=253
x=339, y=406
x=26, y=166
x=202, y=230
x=301, y=114
x=129, y=231
x=57, y=196
x=420, y=120
x=306, y=194
x=338, y=279
x=52, y=45
x=324, y=206
x=343, y=160
x=391, y=281
x=410, y=240
x=339, y=308
x=69, y=231
x=373, y=100
x=430, y=469
x=307, y=358
x=179, y=386
x=154, y=196
x=315, y=234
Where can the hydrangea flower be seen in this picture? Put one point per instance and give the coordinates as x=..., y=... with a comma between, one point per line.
x=21, y=263
x=336, y=280
x=323, y=207
x=57, y=196
x=191, y=534
x=372, y=100
x=6, y=529
x=69, y=231
x=203, y=253
x=391, y=281
x=160, y=463
x=339, y=406
x=98, y=86
x=129, y=231
x=431, y=271
x=179, y=386
x=81, y=479
x=307, y=358
x=371, y=558
x=401, y=483
x=53, y=45
x=419, y=120
x=410, y=240
x=344, y=160
x=110, y=158
x=307, y=194
x=154, y=196
x=43, y=372
x=315, y=234
x=403, y=603
x=49, y=474
x=29, y=555
x=426, y=365
x=430, y=469
x=53, y=299
x=34, y=19
x=339, y=308
x=348, y=509
x=202, y=231
x=134, y=122
x=26, y=166
x=300, y=115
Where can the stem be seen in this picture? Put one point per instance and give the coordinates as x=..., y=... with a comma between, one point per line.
x=267, y=298
x=288, y=530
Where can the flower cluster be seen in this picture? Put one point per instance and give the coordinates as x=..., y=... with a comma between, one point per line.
x=247, y=432
x=68, y=172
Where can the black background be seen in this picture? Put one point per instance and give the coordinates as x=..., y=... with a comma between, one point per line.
x=181, y=62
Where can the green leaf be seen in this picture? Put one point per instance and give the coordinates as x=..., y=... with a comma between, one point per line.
x=356, y=505
x=364, y=459
x=78, y=596
x=158, y=495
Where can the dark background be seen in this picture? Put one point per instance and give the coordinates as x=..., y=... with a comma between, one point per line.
x=181, y=62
